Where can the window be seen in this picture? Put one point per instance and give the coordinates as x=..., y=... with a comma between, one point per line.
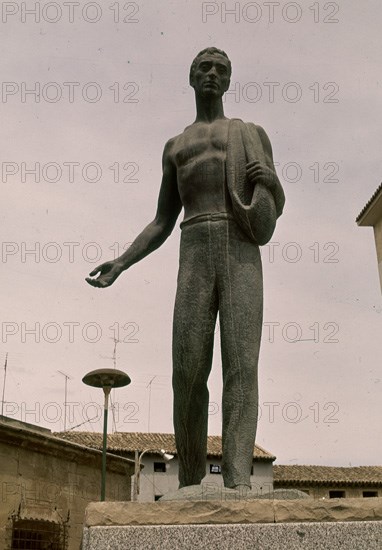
x=157, y=497
x=30, y=534
x=159, y=467
x=367, y=494
x=215, y=469
x=336, y=494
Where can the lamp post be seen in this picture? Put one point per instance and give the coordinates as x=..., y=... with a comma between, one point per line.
x=105, y=379
x=137, y=470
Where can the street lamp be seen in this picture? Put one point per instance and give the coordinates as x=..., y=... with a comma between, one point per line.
x=105, y=379
x=137, y=470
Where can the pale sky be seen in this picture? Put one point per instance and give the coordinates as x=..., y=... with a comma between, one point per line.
x=112, y=92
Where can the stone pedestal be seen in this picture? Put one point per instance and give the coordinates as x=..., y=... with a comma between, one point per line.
x=345, y=524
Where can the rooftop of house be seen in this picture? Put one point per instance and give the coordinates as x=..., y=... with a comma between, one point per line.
x=41, y=440
x=327, y=475
x=129, y=442
x=372, y=211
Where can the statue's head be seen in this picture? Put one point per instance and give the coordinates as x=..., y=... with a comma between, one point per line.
x=211, y=65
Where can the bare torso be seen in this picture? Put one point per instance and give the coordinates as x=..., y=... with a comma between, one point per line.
x=194, y=168
x=199, y=155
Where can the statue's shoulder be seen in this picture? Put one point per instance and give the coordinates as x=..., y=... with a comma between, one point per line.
x=257, y=130
x=170, y=142
x=170, y=145
x=251, y=126
x=174, y=141
x=179, y=141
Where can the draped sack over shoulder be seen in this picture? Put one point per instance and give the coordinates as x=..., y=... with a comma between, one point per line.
x=254, y=208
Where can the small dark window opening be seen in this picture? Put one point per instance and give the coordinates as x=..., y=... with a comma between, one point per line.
x=215, y=469
x=157, y=497
x=367, y=494
x=252, y=470
x=37, y=535
x=337, y=494
x=159, y=467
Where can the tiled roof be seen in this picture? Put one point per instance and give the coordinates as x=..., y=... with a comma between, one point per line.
x=130, y=442
x=327, y=475
x=369, y=202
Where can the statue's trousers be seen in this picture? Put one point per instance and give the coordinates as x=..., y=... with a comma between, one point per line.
x=220, y=270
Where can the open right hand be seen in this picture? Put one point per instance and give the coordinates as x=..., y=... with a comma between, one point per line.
x=108, y=272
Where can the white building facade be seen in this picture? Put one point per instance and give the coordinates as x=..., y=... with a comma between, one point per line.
x=371, y=216
x=158, y=476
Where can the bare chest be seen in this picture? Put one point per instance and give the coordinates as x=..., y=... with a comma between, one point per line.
x=201, y=140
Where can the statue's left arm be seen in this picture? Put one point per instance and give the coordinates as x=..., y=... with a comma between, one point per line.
x=258, y=172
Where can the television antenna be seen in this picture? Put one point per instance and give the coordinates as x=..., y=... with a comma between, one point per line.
x=67, y=377
x=114, y=359
x=149, y=386
x=4, y=380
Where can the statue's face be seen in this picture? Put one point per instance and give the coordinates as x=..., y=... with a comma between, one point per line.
x=211, y=76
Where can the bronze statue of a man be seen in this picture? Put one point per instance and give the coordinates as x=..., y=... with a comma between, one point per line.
x=221, y=172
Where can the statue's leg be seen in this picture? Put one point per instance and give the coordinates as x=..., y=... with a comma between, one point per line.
x=240, y=284
x=193, y=334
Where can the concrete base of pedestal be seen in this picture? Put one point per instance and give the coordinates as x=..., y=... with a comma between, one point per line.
x=346, y=524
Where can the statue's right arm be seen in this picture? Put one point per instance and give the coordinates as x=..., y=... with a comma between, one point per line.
x=154, y=234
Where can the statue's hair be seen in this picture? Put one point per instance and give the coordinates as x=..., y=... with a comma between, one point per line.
x=211, y=51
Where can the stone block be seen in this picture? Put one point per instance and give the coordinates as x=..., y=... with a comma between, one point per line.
x=286, y=536
x=178, y=513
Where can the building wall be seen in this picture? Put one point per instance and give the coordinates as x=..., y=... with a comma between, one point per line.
x=378, y=244
x=318, y=492
x=158, y=483
x=38, y=485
